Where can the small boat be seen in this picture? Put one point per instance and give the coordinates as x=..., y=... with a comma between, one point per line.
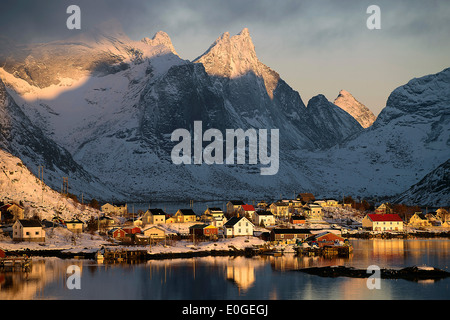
x=99, y=256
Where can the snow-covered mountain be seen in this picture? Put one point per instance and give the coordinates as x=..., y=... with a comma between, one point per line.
x=356, y=109
x=19, y=185
x=19, y=136
x=112, y=103
x=433, y=189
x=409, y=139
x=335, y=124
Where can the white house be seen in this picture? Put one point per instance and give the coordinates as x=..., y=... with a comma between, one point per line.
x=28, y=230
x=383, y=222
x=238, y=226
x=265, y=217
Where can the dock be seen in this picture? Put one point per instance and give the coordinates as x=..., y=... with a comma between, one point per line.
x=327, y=251
x=22, y=264
x=123, y=255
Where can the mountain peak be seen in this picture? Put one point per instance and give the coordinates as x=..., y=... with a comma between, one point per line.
x=244, y=32
x=234, y=57
x=160, y=38
x=356, y=109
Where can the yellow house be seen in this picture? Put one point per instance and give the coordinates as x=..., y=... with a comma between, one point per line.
x=312, y=212
x=185, y=215
x=215, y=216
x=419, y=220
x=170, y=219
x=154, y=232
x=233, y=206
x=154, y=216
x=74, y=225
x=332, y=203
x=384, y=208
x=11, y=211
x=280, y=209
x=110, y=208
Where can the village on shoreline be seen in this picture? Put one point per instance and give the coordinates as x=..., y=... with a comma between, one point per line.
x=281, y=226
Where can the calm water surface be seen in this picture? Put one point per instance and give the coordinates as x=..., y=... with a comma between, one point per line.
x=228, y=278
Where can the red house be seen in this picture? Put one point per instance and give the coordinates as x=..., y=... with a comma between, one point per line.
x=205, y=230
x=132, y=230
x=298, y=219
x=117, y=233
x=325, y=238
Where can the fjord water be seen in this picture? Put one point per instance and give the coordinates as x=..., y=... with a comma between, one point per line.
x=235, y=278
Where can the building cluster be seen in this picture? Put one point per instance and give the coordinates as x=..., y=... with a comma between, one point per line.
x=282, y=220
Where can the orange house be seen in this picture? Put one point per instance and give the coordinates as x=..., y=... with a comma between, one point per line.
x=325, y=238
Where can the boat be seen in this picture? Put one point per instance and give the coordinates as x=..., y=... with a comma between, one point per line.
x=99, y=256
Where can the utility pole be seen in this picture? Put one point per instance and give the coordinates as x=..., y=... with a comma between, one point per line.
x=65, y=185
x=41, y=177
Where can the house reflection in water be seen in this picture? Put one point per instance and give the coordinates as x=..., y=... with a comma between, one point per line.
x=28, y=285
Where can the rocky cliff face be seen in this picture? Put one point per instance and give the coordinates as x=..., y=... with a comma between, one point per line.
x=334, y=124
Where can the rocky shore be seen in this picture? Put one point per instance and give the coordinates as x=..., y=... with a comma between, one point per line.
x=409, y=273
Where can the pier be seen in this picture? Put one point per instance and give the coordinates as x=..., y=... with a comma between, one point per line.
x=123, y=255
x=327, y=251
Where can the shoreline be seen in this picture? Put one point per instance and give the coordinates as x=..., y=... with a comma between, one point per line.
x=63, y=254
x=90, y=253
x=403, y=235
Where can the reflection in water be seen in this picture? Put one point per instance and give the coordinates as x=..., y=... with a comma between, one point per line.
x=262, y=277
x=28, y=285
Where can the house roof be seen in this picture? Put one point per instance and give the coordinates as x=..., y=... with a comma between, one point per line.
x=384, y=217
x=234, y=220
x=322, y=234
x=236, y=202
x=30, y=223
x=74, y=221
x=156, y=227
x=264, y=213
x=201, y=226
x=248, y=207
x=187, y=212
x=420, y=215
x=291, y=231
x=8, y=205
x=157, y=212
x=280, y=204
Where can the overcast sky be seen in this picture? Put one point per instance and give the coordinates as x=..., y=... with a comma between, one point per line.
x=319, y=46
